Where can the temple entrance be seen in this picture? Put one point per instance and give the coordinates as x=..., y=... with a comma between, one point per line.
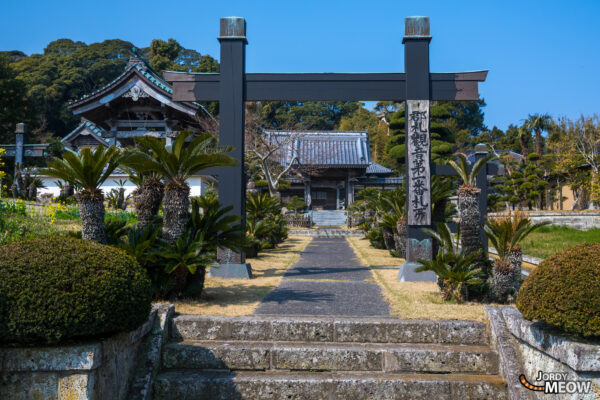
x=324, y=199
x=417, y=86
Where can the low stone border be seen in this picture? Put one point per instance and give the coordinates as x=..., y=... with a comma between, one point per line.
x=581, y=220
x=101, y=369
x=326, y=232
x=149, y=358
x=527, y=347
x=510, y=364
x=580, y=356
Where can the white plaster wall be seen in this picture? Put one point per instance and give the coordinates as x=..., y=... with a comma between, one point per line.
x=197, y=185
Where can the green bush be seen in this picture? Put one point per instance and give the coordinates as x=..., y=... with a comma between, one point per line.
x=564, y=291
x=59, y=288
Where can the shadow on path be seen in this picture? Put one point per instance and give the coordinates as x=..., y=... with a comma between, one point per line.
x=328, y=279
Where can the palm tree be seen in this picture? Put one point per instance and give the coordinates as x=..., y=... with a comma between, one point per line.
x=147, y=197
x=456, y=271
x=524, y=132
x=88, y=170
x=175, y=165
x=505, y=234
x=538, y=123
x=468, y=205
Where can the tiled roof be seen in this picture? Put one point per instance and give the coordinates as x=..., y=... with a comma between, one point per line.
x=97, y=131
x=378, y=169
x=139, y=64
x=333, y=149
x=392, y=180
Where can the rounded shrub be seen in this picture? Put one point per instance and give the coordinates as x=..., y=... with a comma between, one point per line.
x=58, y=288
x=564, y=291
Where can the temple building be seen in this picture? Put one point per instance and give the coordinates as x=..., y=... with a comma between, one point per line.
x=331, y=166
x=136, y=103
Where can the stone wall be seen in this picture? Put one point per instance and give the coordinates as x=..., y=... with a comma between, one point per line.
x=97, y=370
x=577, y=220
x=530, y=347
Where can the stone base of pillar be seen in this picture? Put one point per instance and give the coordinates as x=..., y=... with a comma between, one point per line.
x=415, y=250
x=239, y=271
x=407, y=273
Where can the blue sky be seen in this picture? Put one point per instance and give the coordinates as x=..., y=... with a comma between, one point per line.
x=543, y=56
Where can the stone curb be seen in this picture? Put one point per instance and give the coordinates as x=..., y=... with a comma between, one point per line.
x=84, y=357
x=329, y=329
x=148, y=361
x=578, y=355
x=526, y=258
x=510, y=366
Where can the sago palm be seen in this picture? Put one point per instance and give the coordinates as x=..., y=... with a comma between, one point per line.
x=468, y=204
x=220, y=228
x=176, y=165
x=457, y=272
x=147, y=197
x=505, y=234
x=88, y=170
x=187, y=255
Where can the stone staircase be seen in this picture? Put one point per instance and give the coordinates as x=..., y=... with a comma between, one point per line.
x=211, y=357
x=329, y=217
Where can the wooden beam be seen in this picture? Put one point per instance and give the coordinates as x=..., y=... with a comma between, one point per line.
x=326, y=86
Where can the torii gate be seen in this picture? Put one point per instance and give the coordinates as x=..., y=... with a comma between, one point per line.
x=417, y=86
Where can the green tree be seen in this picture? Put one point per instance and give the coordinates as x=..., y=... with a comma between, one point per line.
x=88, y=170
x=442, y=139
x=66, y=71
x=365, y=120
x=15, y=106
x=538, y=123
x=175, y=165
x=310, y=115
x=468, y=204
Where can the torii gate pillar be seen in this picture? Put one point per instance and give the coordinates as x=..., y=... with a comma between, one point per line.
x=232, y=180
x=418, y=148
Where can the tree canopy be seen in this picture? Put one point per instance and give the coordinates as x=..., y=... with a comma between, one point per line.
x=68, y=69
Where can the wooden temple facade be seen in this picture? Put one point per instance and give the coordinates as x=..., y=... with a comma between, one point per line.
x=331, y=166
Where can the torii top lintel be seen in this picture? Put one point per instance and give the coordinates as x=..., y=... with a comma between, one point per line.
x=416, y=83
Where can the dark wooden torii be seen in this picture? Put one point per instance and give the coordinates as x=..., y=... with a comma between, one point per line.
x=232, y=86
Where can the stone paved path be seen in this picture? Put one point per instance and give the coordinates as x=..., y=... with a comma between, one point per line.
x=328, y=279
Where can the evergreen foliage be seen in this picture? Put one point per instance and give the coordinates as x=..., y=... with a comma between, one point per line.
x=59, y=288
x=564, y=291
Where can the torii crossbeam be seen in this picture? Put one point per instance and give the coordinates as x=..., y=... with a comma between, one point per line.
x=232, y=86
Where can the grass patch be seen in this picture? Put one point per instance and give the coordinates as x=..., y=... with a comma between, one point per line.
x=409, y=300
x=237, y=297
x=548, y=240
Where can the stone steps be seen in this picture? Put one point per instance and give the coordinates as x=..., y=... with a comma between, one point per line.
x=183, y=385
x=311, y=356
x=328, y=329
x=302, y=357
x=328, y=217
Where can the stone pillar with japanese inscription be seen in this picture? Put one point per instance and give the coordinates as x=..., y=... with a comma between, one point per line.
x=20, y=140
x=418, y=149
x=417, y=163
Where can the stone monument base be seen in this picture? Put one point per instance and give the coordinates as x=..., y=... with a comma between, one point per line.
x=239, y=271
x=407, y=273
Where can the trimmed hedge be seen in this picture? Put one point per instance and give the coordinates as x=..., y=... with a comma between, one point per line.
x=564, y=291
x=59, y=288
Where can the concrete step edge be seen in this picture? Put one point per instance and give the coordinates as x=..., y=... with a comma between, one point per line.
x=175, y=385
x=327, y=357
x=328, y=329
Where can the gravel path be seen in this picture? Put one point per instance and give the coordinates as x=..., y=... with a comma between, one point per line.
x=328, y=279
